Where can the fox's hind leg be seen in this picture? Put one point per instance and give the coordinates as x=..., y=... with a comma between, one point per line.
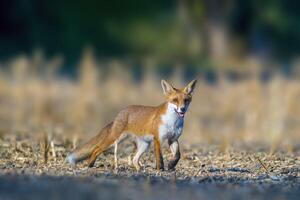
x=142, y=146
x=99, y=149
x=106, y=141
x=93, y=157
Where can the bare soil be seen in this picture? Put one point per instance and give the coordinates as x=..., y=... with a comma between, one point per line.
x=27, y=171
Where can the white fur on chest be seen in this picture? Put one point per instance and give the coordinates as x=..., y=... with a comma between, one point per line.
x=171, y=126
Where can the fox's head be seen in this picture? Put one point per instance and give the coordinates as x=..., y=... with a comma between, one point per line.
x=179, y=99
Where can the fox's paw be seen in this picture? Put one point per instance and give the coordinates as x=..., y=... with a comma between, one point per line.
x=138, y=165
x=91, y=163
x=171, y=169
x=160, y=167
x=171, y=166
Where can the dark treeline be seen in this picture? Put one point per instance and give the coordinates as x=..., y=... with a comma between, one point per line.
x=190, y=31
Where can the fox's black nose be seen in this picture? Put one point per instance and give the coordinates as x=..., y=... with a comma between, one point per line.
x=183, y=109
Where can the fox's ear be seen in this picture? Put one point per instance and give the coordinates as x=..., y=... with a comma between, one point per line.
x=168, y=88
x=190, y=87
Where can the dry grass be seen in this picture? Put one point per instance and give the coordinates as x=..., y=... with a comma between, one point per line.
x=35, y=100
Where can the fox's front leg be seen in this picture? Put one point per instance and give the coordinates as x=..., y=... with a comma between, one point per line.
x=158, y=155
x=174, y=147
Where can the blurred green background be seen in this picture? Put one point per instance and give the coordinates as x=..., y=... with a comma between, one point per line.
x=201, y=33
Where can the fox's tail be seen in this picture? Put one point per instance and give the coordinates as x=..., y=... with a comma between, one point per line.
x=87, y=149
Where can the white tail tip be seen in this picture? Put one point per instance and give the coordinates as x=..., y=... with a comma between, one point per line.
x=71, y=159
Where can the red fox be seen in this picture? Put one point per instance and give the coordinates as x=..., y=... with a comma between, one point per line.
x=147, y=124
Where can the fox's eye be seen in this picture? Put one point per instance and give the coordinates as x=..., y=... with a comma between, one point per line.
x=175, y=100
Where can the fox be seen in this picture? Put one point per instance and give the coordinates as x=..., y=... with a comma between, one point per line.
x=147, y=124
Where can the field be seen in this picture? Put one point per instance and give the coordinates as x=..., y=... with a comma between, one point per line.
x=203, y=172
x=241, y=138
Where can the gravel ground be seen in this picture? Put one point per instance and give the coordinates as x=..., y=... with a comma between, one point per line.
x=203, y=172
